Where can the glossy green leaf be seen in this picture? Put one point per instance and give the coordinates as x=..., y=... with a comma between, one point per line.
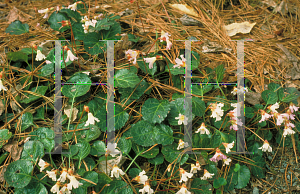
x=163, y=134
x=27, y=120
x=39, y=92
x=159, y=159
x=117, y=186
x=219, y=182
x=103, y=179
x=149, y=154
x=171, y=153
x=134, y=172
x=273, y=87
x=249, y=112
x=121, y=117
x=124, y=145
x=55, y=21
x=269, y=97
x=43, y=132
x=218, y=138
x=111, y=33
x=132, y=38
x=83, y=150
x=139, y=91
x=177, y=106
x=32, y=188
x=231, y=180
x=126, y=79
x=78, y=31
x=98, y=148
x=220, y=70
x=243, y=176
x=33, y=150
x=18, y=173
x=40, y=113
x=89, y=175
x=17, y=28
x=47, y=69
x=176, y=70
x=288, y=94
x=201, y=89
x=155, y=111
x=198, y=106
x=71, y=14
x=17, y=56
x=5, y=135
x=81, y=87
x=199, y=186
x=103, y=24
x=71, y=152
x=143, y=133
x=93, y=45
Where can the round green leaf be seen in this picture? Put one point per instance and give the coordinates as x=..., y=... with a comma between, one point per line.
x=121, y=117
x=33, y=148
x=177, y=106
x=17, y=56
x=32, y=187
x=89, y=175
x=288, y=94
x=243, y=177
x=71, y=91
x=218, y=138
x=71, y=14
x=231, y=180
x=269, y=97
x=201, y=186
x=176, y=70
x=198, y=106
x=98, y=148
x=47, y=69
x=117, y=186
x=126, y=79
x=27, y=120
x=18, y=173
x=143, y=133
x=149, y=154
x=219, y=182
x=159, y=159
x=163, y=134
x=55, y=21
x=83, y=150
x=171, y=153
x=140, y=90
x=72, y=151
x=42, y=132
x=102, y=180
x=155, y=111
x=124, y=145
x=5, y=135
x=17, y=28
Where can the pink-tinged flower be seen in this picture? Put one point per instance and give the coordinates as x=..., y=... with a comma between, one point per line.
x=39, y=56
x=146, y=189
x=43, y=164
x=131, y=55
x=73, y=182
x=279, y=118
x=48, y=62
x=235, y=124
x=116, y=171
x=70, y=56
x=266, y=147
x=292, y=107
x=228, y=146
x=65, y=190
x=183, y=190
x=142, y=178
x=74, y=6
x=217, y=111
x=288, y=131
x=165, y=37
x=288, y=115
x=194, y=167
x=218, y=156
x=52, y=174
x=184, y=175
x=55, y=188
x=169, y=44
x=182, y=144
x=264, y=116
x=91, y=120
x=99, y=17
x=182, y=119
x=180, y=63
x=207, y=175
x=273, y=107
x=63, y=175
x=226, y=161
x=45, y=11
x=289, y=124
x=203, y=130
x=151, y=61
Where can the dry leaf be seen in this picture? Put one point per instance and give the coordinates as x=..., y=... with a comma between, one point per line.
x=14, y=150
x=16, y=14
x=185, y=8
x=2, y=108
x=270, y=3
x=14, y=106
x=253, y=98
x=188, y=21
x=244, y=28
x=110, y=163
x=2, y=171
x=281, y=8
x=67, y=111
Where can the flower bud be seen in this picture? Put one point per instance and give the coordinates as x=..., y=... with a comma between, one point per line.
x=86, y=109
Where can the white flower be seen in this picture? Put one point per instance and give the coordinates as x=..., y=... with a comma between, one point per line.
x=63, y=175
x=93, y=23
x=239, y=91
x=70, y=56
x=164, y=36
x=169, y=44
x=73, y=6
x=142, y=178
x=2, y=86
x=52, y=174
x=45, y=11
x=91, y=119
x=183, y=190
x=264, y=116
x=55, y=188
x=194, y=167
x=203, y=130
x=292, y=107
x=226, y=161
x=228, y=146
x=86, y=72
x=43, y=164
x=111, y=149
x=116, y=171
x=65, y=190
x=182, y=144
x=73, y=182
x=85, y=28
x=182, y=119
x=131, y=55
x=169, y=167
x=48, y=62
x=27, y=139
x=146, y=189
x=180, y=63
x=84, y=19
x=273, y=107
x=207, y=175
x=40, y=56
x=279, y=118
x=150, y=60
x=184, y=175
x=288, y=131
x=266, y=147
x=217, y=111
